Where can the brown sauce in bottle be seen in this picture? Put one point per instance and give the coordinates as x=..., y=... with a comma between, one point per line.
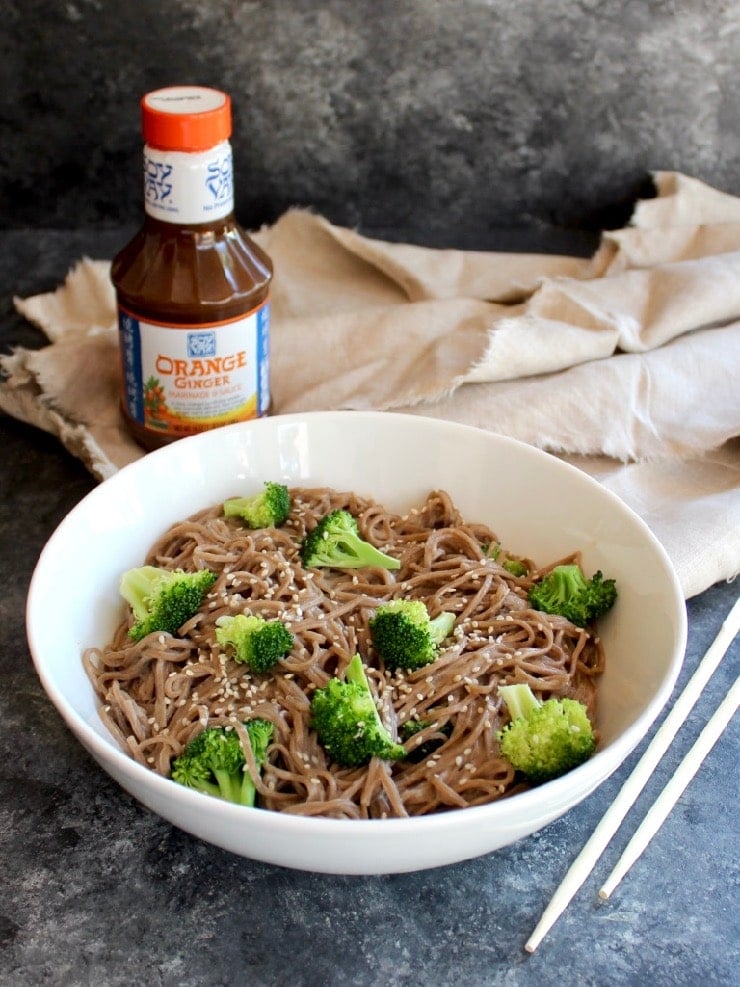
x=192, y=287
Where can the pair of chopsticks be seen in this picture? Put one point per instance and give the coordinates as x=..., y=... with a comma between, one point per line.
x=612, y=819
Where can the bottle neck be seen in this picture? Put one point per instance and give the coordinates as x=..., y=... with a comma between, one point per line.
x=188, y=188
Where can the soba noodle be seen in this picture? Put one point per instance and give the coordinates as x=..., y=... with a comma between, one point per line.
x=160, y=692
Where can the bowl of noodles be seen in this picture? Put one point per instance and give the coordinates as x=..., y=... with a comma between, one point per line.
x=453, y=505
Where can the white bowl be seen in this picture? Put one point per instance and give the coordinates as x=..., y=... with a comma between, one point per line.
x=539, y=506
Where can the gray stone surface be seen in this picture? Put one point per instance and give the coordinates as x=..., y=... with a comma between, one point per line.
x=441, y=117
x=96, y=891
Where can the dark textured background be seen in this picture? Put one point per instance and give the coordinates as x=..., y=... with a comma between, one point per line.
x=450, y=121
x=446, y=117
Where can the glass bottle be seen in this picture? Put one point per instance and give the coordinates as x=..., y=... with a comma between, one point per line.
x=192, y=287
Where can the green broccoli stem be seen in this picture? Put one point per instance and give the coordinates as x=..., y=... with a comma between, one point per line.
x=365, y=554
x=356, y=673
x=235, y=788
x=229, y=784
x=138, y=585
x=236, y=506
x=248, y=791
x=520, y=700
x=441, y=626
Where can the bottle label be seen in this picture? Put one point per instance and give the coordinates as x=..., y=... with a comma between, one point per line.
x=179, y=380
x=185, y=187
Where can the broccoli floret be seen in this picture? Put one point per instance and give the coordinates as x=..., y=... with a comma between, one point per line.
x=267, y=509
x=347, y=722
x=163, y=599
x=544, y=740
x=256, y=642
x=214, y=763
x=336, y=542
x=566, y=591
x=405, y=637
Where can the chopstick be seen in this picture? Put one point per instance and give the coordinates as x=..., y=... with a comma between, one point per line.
x=674, y=789
x=630, y=790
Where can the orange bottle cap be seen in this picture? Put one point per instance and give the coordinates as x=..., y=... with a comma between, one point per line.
x=186, y=118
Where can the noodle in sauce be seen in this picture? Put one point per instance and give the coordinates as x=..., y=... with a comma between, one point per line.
x=158, y=693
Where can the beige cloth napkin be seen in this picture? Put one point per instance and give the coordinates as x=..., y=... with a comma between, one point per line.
x=627, y=363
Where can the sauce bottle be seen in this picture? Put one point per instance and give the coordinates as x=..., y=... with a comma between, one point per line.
x=192, y=288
